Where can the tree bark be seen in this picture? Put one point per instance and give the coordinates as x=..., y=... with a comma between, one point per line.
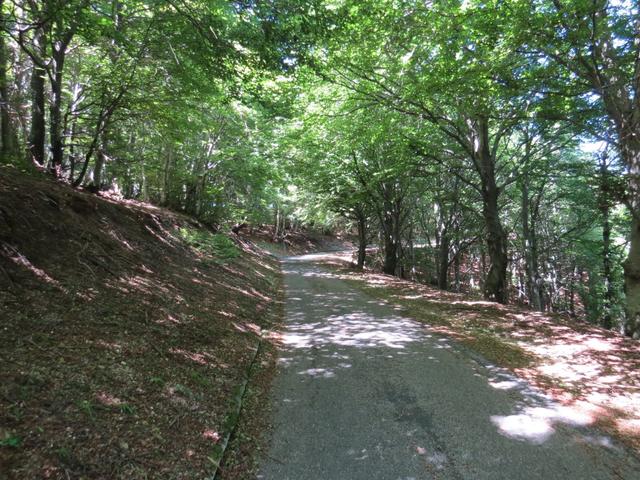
x=632, y=283
x=628, y=127
x=98, y=168
x=55, y=114
x=362, y=240
x=59, y=53
x=7, y=136
x=166, y=174
x=443, y=260
x=607, y=274
x=391, y=228
x=390, y=255
x=530, y=249
x=495, y=286
x=38, y=127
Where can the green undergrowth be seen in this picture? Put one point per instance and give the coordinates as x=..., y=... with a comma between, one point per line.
x=215, y=244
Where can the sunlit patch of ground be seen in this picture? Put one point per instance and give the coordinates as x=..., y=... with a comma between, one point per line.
x=593, y=373
x=120, y=342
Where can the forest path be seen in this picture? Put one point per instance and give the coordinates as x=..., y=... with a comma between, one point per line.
x=364, y=393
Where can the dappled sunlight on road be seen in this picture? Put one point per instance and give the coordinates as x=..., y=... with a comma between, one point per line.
x=362, y=384
x=356, y=329
x=577, y=364
x=536, y=424
x=330, y=324
x=537, y=416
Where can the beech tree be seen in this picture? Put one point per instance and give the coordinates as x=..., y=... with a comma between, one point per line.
x=447, y=134
x=592, y=51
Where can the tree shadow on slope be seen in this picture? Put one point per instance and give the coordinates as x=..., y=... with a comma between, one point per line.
x=121, y=340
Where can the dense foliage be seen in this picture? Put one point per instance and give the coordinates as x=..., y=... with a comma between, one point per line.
x=451, y=134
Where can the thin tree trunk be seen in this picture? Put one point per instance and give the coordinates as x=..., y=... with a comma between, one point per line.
x=72, y=150
x=164, y=194
x=276, y=232
x=456, y=271
x=530, y=250
x=145, y=183
x=607, y=320
x=362, y=240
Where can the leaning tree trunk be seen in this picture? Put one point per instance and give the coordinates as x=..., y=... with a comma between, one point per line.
x=495, y=286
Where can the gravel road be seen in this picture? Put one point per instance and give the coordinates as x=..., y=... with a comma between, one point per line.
x=364, y=393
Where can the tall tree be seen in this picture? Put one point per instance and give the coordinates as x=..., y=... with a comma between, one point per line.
x=593, y=50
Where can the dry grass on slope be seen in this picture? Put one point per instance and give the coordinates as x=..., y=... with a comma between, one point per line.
x=125, y=331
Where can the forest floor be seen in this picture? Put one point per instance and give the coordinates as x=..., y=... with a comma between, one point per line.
x=590, y=370
x=126, y=333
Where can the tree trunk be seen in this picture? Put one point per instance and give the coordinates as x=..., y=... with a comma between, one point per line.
x=607, y=320
x=632, y=282
x=530, y=249
x=443, y=260
x=38, y=128
x=7, y=136
x=276, y=231
x=145, y=183
x=166, y=176
x=390, y=223
x=362, y=240
x=495, y=286
x=101, y=158
x=625, y=113
x=390, y=254
x=631, y=155
x=98, y=168
x=55, y=111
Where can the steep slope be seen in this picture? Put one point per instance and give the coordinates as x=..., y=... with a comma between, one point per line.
x=126, y=331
